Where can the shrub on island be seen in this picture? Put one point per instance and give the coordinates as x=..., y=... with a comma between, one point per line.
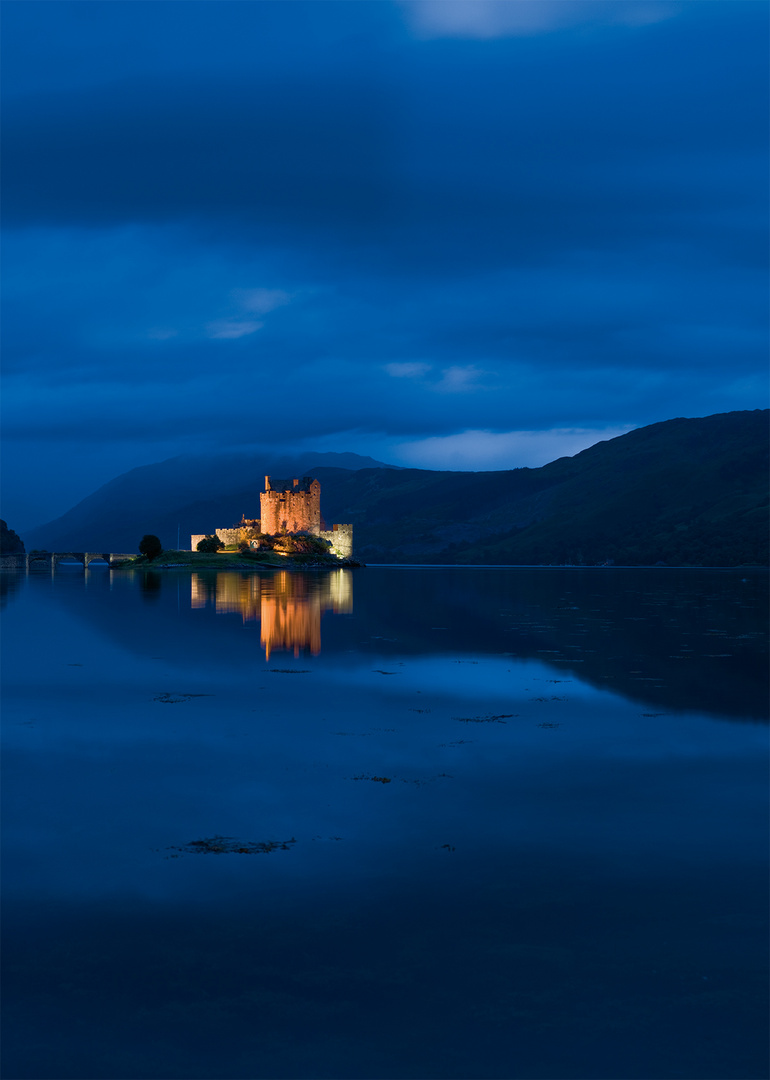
x=209, y=545
x=150, y=546
x=302, y=543
x=257, y=542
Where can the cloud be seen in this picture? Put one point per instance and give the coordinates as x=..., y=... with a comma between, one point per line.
x=456, y=379
x=439, y=161
x=305, y=149
x=260, y=301
x=225, y=329
x=490, y=450
x=252, y=301
x=561, y=230
x=460, y=379
x=485, y=19
x=407, y=370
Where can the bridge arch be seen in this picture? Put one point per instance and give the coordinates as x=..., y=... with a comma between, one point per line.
x=97, y=556
x=68, y=556
x=38, y=557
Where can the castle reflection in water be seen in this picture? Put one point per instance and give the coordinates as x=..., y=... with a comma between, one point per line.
x=287, y=605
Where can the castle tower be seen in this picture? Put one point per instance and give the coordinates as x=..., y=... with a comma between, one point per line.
x=294, y=509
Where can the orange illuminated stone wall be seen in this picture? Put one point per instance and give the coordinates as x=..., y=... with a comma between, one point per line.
x=295, y=509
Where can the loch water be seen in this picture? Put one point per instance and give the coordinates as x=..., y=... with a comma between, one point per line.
x=385, y=823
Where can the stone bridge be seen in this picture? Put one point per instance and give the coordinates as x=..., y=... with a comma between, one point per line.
x=51, y=559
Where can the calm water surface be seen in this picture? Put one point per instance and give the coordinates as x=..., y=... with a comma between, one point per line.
x=408, y=823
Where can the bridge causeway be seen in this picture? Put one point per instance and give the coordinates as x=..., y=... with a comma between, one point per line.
x=51, y=559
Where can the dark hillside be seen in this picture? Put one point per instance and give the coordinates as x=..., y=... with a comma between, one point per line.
x=194, y=493
x=682, y=492
x=687, y=492
x=10, y=543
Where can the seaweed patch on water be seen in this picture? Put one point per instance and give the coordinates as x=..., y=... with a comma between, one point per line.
x=229, y=845
x=167, y=698
x=290, y=671
x=500, y=718
x=547, y=725
x=420, y=780
x=366, y=734
x=377, y=671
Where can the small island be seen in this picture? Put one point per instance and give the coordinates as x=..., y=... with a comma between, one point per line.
x=174, y=559
x=289, y=533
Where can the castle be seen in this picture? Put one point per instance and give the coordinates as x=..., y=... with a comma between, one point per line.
x=295, y=509
x=290, y=509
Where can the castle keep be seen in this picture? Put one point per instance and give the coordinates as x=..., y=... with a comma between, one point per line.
x=293, y=508
x=296, y=509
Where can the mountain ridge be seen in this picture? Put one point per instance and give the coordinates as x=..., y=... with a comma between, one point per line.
x=181, y=477
x=678, y=492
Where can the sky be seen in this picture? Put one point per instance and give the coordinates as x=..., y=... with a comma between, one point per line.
x=466, y=234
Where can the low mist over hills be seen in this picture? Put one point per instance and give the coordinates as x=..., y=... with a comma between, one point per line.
x=681, y=492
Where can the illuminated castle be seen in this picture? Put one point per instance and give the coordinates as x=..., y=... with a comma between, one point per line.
x=295, y=508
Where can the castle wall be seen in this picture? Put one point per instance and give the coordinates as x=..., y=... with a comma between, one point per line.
x=341, y=539
x=296, y=509
x=229, y=536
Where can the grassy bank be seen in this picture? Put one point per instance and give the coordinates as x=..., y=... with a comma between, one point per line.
x=236, y=560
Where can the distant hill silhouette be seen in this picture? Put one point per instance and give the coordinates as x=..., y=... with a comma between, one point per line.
x=10, y=543
x=682, y=492
x=688, y=492
x=198, y=493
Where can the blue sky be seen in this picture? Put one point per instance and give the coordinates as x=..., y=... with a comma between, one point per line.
x=448, y=233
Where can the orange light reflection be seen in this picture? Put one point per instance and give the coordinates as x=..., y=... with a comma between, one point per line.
x=288, y=606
